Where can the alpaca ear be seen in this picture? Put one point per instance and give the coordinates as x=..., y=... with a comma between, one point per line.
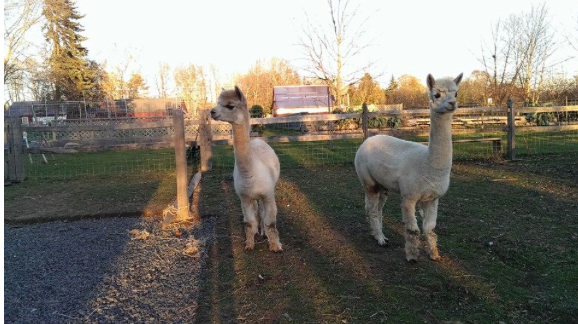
x=240, y=94
x=430, y=81
x=458, y=79
x=222, y=89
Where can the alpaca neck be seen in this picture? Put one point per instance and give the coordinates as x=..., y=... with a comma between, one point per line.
x=241, y=145
x=440, y=141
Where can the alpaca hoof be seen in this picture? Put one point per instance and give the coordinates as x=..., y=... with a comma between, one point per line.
x=411, y=260
x=383, y=242
x=435, y=258
x=277, y=247
x=249, y=246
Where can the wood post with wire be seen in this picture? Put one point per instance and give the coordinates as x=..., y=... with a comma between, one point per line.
x=511, y=130
x=181, y=165
x=14, y=159
x=205, y=140
x=364, y=121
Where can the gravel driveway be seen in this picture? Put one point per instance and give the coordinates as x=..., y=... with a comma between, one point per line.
x=103, y=270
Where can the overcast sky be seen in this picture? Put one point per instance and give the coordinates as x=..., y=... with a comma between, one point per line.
x=414, y=37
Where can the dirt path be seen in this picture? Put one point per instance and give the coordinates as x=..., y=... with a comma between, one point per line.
x=98, y=271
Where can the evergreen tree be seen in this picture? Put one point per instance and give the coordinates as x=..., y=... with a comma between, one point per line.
x=392, y=84
x=70, y=71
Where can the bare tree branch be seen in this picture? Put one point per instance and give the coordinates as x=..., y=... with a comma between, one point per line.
x=333, y=50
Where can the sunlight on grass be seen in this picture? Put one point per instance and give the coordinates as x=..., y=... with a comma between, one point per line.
x=451, y=268
x=311, y=287
x=313, y=224
x=541, y=184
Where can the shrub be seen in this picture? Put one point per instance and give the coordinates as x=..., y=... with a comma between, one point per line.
x=542, y=119
x=384, y=122
x=257, y=111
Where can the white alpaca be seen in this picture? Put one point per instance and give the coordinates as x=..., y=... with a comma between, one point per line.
x=419, y=173
x=256, y=170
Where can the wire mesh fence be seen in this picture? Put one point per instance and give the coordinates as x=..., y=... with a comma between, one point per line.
x=102, y=147
x=69, y=148
x=333, y=139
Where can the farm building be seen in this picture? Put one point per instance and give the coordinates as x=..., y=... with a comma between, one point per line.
x=312, y=99
x=42, y=112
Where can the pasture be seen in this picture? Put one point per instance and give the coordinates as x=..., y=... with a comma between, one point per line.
x=507, y=237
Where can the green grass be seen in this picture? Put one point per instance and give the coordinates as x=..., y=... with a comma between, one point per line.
x=507, y=235
x=126, y=174
x=340, y=152
x=89, y=196
x=295, y=154
x=108, y=162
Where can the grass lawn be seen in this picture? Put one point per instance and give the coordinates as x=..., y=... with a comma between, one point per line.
x=103, y=183
x=100, y=163
x=338, y=152
x=507, y=236
x=34, y=200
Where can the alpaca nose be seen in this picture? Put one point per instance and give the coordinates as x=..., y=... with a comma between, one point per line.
x=452, y=105
x=213, y=112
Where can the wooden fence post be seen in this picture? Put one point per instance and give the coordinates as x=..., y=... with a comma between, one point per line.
x=181, y=165
x=511, y=130
x=205, y=139
x=364, y=121
x=15, y=160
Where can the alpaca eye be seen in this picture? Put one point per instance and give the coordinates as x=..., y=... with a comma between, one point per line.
x=437, y=95
x=229, y=106
x=456, y=94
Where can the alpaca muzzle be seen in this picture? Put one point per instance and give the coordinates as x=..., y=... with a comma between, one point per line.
x=214, y=114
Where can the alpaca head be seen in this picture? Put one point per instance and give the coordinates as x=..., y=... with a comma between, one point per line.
x=231, y=107
x=443, y=93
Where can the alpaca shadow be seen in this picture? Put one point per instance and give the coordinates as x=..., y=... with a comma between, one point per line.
x=387, y=267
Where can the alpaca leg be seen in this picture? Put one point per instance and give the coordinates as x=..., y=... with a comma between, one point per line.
x=251, y=225
x=374, y=201
x=429, y=215
x=383, y=194
x=270, y=221
x=261, y=216
x=411, y=230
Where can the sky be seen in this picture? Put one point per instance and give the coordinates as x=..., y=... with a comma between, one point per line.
x=441, y=37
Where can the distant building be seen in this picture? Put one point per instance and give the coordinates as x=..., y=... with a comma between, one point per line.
x=312, y=99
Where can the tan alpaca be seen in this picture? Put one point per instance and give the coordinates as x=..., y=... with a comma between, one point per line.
x=420, y=174
x=256, y=170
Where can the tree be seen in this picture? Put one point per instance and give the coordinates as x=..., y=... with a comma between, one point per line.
x=475, y=89
x=392, y=86
x=19, y=17
x=519, y=54
x=367, y=91
x=410, y=92
x=330, y=48
x=162, y=79
x=136, y=86
x=535, y=47
x=257, y=84
x=191, y=86
x=573, y=37
x=70, y=71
